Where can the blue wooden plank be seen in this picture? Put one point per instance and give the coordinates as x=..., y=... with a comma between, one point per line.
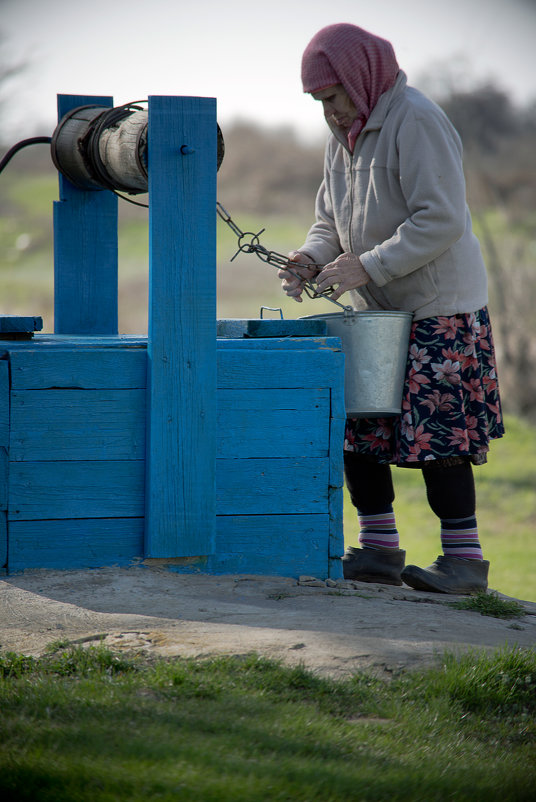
x=336, y=474
x=88, y=368
x=4, y=464
x=279, y=344
x=271, y=328
x=85, y=250
x=16, y=324
x=88, y=543
x=43, y=490
x=336, y=531
x=4, y=473
x=276, y=545
x=271, y=486
x=284, y=369
x=4, y=403
x=255, y=544
x=273, y=423
x=82, y=341
x=77, y=425
x=3, y=543
x=180, y=515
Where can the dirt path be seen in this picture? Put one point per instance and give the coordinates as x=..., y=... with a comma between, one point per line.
x=330, y=630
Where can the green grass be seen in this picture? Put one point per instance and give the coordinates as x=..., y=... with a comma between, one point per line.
x=490, y=604
x=506, y=512
x=84, y=724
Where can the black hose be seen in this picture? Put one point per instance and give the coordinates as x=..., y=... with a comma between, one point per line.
x=35, y=140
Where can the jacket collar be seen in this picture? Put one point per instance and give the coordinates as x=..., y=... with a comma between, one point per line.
x=379, y=112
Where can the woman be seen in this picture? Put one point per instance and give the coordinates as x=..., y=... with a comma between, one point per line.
x=393, y=230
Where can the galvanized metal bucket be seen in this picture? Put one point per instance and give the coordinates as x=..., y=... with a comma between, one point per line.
x=375, y=346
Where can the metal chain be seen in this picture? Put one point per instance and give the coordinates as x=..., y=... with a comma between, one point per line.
x=248, y=242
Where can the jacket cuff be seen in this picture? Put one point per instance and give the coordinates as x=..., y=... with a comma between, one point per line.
x=374, y=267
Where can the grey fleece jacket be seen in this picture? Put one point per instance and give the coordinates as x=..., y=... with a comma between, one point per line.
x=398, y=202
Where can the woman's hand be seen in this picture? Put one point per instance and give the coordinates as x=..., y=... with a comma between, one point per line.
x=346, y=272
x=292, y=285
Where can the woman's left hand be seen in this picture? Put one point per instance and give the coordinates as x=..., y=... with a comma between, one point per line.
x=346, y=272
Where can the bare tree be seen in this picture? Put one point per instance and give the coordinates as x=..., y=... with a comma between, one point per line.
x=9, y=71
x=269, y=171
x=499, y=143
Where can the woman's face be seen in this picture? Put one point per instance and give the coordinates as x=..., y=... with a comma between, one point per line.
x=337, y=105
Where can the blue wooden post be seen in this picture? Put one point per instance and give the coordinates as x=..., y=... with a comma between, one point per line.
x=85, y=250
x=4, y=460
x=181, y=452
x=336, y=473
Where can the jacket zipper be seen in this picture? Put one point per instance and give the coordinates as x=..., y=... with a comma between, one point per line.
x=351, y=217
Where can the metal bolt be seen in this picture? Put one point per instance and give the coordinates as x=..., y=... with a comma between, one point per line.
x=186, y=150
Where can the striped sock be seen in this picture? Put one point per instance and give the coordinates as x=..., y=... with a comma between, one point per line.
x=378, y=531
x=459, y=538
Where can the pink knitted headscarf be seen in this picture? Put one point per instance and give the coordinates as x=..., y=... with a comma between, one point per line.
x=364, y=64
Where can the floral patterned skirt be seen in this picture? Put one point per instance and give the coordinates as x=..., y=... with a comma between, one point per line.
x=451, y=405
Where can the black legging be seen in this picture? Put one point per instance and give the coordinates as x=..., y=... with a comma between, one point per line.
x=450, y=488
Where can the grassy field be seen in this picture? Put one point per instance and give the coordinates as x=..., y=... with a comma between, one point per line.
x=82, y=725
x=506, y=486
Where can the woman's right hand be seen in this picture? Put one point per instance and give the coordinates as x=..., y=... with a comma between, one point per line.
x=300, y=264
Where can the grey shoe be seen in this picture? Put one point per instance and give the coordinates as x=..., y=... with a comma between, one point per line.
x=449, y=575
x=373, y=565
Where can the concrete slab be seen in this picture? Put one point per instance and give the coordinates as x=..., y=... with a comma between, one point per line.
x=332, y=630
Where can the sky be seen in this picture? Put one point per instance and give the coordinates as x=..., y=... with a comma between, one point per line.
x=246, y=54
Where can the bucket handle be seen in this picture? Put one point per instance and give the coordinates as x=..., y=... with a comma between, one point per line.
x=271, y=309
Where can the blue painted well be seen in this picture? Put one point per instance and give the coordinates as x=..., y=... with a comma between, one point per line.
x=73, y=445
x=223, y=456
